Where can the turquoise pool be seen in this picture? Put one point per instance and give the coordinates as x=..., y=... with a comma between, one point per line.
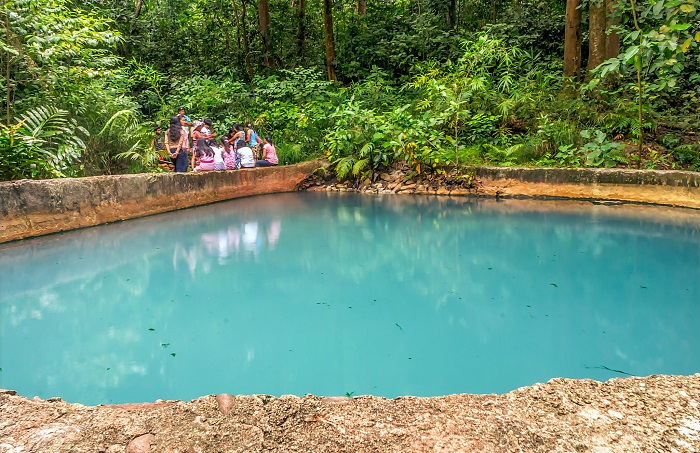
x=336, y=294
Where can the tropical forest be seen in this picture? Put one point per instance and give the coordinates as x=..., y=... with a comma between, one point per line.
x=361, y=83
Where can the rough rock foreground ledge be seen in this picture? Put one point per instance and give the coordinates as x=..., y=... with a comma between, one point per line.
x=649, y=414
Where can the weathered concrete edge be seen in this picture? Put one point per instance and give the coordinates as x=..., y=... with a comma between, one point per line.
x=662, y=187
x=30, y=208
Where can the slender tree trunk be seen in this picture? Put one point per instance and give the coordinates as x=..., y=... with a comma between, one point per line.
x=264, y=19
x=301, y=28
x=452, y=13
x=246, y=46
x=640, y=88
x=612, y=40
x=137, y=12
x=572, y=40
x=361, y=7
x=596, y=35
x=237, y=14
x=227, y=36
x=330, y=39
x=8, y=83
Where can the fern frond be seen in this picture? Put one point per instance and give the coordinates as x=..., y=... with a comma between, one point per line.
x=344, y=166
x=359, y=166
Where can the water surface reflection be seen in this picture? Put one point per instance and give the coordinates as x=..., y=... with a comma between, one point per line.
x=299, y=293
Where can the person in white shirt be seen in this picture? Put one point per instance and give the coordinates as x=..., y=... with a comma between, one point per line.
x=247, y=157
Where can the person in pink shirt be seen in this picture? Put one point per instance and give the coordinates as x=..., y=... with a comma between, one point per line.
x=204, y=157
x=269, y=157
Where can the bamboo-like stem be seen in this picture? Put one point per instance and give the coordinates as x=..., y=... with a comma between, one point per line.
x=639, y=81
x=7, y=72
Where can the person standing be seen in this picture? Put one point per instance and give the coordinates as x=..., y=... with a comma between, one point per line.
x=269, y=157
x=181, y=112
x=253, y=139
x=175, y=138
x=186, y=131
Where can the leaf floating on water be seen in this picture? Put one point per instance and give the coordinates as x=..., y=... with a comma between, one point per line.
x=400, y=328
x=152, y=329
x=643, y=287
x=554, y=285
x=349, y=394
x=164, y=345
x=172, y=354
x=108, y=369
x=489, y=268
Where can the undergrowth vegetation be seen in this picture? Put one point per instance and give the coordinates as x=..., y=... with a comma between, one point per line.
x=490, y=92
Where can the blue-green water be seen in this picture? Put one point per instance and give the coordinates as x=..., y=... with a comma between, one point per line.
x=330, y=294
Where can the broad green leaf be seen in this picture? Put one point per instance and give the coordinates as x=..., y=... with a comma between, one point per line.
x=638, y=62
x=678, y=27
x=688, y=8
x=631, y=52
x=658, y=7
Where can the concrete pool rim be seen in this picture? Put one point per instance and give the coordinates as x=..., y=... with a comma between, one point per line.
x=31, y=208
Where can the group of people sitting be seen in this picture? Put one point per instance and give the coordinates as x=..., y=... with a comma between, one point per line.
x=239, y=148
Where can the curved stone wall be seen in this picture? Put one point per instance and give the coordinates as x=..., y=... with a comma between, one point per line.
x=671, y=188
x=33, y=208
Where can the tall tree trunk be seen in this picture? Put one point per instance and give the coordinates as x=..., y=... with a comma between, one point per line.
x=237, y=14
x=246, y=46
x=452, y=13
x=330, y=39
x=596, y=35
x=301, y=28
x=137, y=12
x=572, y=40
x=612, y=41
x=264, y=19
x=8, y=66
x=361, y=7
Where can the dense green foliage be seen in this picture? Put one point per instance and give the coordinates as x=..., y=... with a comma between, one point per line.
x=84, y=85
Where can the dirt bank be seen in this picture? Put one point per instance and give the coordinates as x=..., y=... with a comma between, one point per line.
x=651, y=414
x=668, y=188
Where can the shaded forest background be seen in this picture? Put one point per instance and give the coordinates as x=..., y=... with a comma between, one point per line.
x=597, y=83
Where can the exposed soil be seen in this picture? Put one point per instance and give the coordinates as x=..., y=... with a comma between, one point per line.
x=651, y=414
